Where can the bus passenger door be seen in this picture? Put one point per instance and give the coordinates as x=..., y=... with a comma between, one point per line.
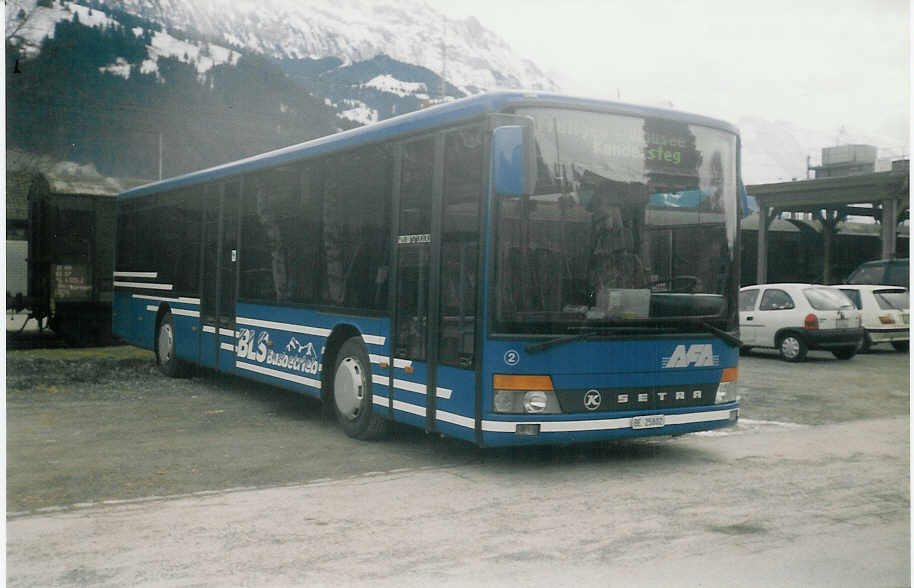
x=437, y=228
x=414, y=350
x=220, y=260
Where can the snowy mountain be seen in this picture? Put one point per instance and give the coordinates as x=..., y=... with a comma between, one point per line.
x=364, y=60
x=471, y=57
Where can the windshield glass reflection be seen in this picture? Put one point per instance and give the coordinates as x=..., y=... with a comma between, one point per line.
x=633, y=221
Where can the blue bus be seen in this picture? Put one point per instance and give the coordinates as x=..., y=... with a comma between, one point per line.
x=510, y=268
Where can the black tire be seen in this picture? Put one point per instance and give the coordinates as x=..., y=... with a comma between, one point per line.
x=865, y=344
x=900, y=345
x=168, y=363
x=846, y=353
x=350, y=385
x=792, y=347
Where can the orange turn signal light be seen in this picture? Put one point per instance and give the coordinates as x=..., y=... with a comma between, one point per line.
x=730, y=375
x=521, y=382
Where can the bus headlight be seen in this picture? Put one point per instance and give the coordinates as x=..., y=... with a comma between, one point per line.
x=727, y=390
x=526, y=402
x=524, y=394
x=535, y=401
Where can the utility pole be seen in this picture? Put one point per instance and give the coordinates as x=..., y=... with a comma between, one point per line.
x=443, y=57
x=160, y=155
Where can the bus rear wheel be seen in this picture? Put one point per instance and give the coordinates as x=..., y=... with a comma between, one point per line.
x=166, y=359
x=352, y=395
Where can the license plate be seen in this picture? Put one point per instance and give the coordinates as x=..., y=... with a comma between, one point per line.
x=651, y=421
x=843, y=323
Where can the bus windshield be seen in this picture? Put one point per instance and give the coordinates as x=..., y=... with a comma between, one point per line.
x=633, y=222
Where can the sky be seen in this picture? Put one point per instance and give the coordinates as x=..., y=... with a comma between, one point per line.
x=818, y=64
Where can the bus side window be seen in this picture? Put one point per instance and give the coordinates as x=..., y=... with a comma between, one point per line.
x=306, y=272
x=356, y=228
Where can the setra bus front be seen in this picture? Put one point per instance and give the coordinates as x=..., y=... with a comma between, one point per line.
x=612, y=276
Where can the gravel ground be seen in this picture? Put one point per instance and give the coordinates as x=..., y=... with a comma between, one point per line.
x=90, y=425
x=103, y=423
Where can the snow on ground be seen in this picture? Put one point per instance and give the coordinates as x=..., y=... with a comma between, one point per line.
x=388, y=83
x=360, y=112
x=41, y=21
x=164, y=45
x=120, y=67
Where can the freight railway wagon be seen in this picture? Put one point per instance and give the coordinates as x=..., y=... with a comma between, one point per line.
x=69, y=228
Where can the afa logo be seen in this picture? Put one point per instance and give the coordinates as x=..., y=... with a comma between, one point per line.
x=699, y=355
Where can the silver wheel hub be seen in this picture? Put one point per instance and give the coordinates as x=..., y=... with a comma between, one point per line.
x=166, y=343
x=349, y=388
x=790, y=347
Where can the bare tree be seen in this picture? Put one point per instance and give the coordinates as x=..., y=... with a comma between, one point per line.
x=16, y=24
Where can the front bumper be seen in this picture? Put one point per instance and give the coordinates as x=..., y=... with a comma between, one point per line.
x=518, y=431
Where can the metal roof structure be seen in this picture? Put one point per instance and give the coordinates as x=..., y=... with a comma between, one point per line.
x=831, y=200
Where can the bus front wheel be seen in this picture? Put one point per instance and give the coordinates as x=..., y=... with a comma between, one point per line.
x=352, y=397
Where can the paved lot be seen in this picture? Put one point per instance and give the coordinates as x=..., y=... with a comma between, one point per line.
x=254, y=486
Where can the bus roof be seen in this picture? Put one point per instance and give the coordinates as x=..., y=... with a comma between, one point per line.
x=442, y=114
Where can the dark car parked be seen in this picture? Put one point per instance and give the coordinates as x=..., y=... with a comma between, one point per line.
x=894, y=272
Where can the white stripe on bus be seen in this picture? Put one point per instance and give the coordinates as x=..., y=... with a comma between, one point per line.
x=143, y=285
x=136, y=274
x=455, y=419
x=410, y=408
x=303, y=329
x=602, y=424
x=179, y=311
x=180, y=299
x=398, y=363
x=223, y=332
x=227, y=346
x=408, y=386
x=278, y=374
x=402, y=406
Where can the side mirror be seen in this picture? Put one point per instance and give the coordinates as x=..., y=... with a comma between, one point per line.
x=514, y=160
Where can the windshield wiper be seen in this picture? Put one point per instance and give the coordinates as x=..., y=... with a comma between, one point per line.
x=701, y=324
x=603, y=331
x=535, y=347
x=708, y=327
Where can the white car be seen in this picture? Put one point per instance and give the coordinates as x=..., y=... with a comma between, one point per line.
x=794, y=318
x=885, y=314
